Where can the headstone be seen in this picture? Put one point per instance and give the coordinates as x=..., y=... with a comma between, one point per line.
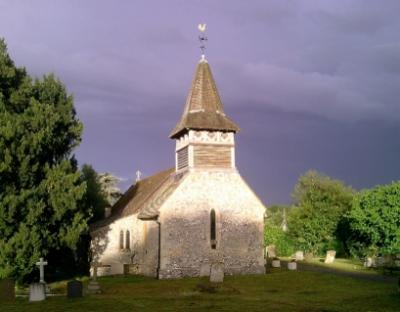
x=7, y=290
x=41, y=265
x=205, y=269
x=299, y=255
x=292, y=265
x=276, y=263
x=217, y=273
x=271, y=251
x=93, y=286
x=37, y=292
x=380, y=261
x=370, y=262
x=74, y=289
x=330, y=256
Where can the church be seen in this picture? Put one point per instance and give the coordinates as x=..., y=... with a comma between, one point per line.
x=181, y=221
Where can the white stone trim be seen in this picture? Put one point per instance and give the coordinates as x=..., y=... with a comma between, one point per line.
x=233, y=157
x=205, y=137
x=190, y=156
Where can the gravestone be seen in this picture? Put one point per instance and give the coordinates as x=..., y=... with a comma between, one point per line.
x=7, y=290
x=299, y=255
x=74, y=289
x=41, y=265
x=205, y=270
x=276, y=263
x=370, y=262
x=330, y=256
x=271, y=251
x=93, y=286
x=217, y=273
x=292, y=265
x=37, y=292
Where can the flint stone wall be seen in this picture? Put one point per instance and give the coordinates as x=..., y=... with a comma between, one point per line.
x=185, y=225
x=143, y=252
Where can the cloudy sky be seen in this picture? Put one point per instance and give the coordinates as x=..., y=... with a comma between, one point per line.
x=312, y=84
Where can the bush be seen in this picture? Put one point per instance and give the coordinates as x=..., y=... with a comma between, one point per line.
x=274, y=235
x=374, y=221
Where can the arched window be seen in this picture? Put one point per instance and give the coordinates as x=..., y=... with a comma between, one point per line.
x=127, y=240
x=121, y=240
x=213, y=230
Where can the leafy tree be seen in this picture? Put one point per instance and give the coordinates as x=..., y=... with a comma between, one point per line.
x=277, y=216
x=375, y=221
x=275, y=230
x=39, y=182
x=109, y=186
x=319, y=204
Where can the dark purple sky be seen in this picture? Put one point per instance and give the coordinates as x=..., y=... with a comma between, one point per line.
x=312, y=84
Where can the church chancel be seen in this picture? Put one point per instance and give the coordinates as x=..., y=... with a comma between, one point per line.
x=181, y=221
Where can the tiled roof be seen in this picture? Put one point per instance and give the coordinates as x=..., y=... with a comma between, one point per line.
x=138, y=196
x=204, y=109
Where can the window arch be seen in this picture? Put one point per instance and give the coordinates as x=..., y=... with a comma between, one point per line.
x=121, y=240
x=213, y=229
x=127, y=240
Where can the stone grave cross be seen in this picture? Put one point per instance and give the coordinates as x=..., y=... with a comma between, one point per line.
x=41, y=265
x=94, y=265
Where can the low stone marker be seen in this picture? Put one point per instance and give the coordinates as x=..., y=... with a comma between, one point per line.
x=299, y=255
x=276, y=263
x=94, y=287
x=205, y=270
x=370, y=262
x=217, y=273
x=37, y=292
x=330, y=256
x=292, y=265
x=7, y=290
x=271, y=251
x=74, y=289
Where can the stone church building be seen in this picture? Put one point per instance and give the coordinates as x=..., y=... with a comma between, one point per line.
x=180, y=221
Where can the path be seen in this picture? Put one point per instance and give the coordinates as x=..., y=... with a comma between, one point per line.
x=304, y=266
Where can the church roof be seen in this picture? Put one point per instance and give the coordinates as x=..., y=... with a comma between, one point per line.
x=146, y=193
x=203, y=109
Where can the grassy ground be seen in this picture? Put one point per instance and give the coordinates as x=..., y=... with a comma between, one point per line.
x=348, y=265
x=280, y=290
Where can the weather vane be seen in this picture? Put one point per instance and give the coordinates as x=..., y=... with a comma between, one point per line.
x=202, y=38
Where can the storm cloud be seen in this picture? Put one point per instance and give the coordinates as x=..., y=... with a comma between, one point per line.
x=312, y=84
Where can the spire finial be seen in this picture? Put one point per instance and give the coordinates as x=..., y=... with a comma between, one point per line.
x=202, y=38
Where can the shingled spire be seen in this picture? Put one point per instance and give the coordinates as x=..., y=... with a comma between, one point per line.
x=203, y=109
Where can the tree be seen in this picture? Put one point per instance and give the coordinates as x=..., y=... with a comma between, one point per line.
x=40, y=186
x=109, y=186
x=375, y=221
x=95, y=199
x=319, y=204
x=275, y=230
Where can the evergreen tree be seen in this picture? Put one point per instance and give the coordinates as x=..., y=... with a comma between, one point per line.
x=95, y=199
x=39, y=182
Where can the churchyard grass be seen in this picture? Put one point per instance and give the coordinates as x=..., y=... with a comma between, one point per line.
x=348, y=265
x=340, y=264
x=279, y=290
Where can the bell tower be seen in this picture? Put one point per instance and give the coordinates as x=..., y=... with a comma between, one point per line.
x=205, y=136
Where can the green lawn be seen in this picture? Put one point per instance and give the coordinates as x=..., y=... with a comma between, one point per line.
x=348, y=265
x=279, y=290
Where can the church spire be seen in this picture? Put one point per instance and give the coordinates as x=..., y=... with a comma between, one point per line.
x=203, y=109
